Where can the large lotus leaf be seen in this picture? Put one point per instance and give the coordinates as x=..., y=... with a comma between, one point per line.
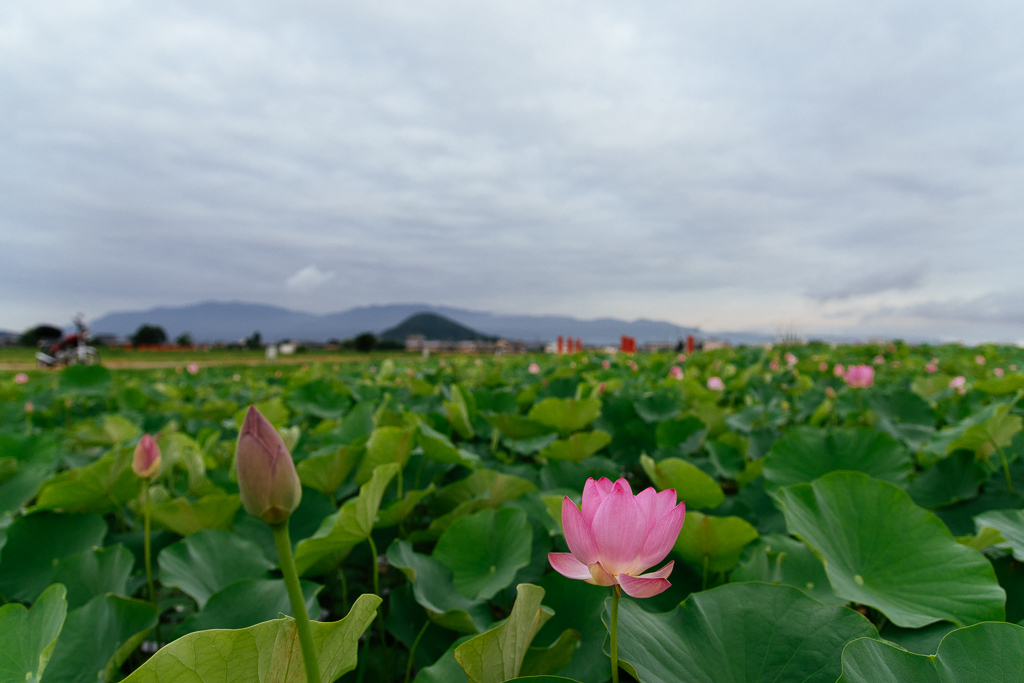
x=578, y=606
x=780, y=559
x=35, y=546
x=95, y=572
x=397, y=511
x=1005, y=385
x=1009, y=524
x=738, y=633
x=326, y=472
x=321, y=398
x=28, y=636
x=264, y=653
x=98, y=637
x=481, y=490
x=983, y=652
x=347, y=528
x=184, y=517
x=497, y=655
x=994, y=433
x=209, y=560
x=386, y=445
x=577, y=447
x=881, y=550
x=180, y=451
x=445, y=669
x=485, y=550
x=23, y=486
x=691, y=483
x=806, y=453
x=247, y=602
x=101, y=486
x=518, y=427
x=89, y=380
x=435, y=592
x=555, y=657
x=460, y=410
x=902, y=405
x=358, y=424
x=656, y=407
x=716, y=541
x=439, y=448
x=566, y=414
x=948, y=481
x=727, y=459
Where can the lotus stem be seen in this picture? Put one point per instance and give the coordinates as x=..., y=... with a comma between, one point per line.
x=1006, y=467
x=291, y=581
x=613, y=629
x=147, y=549
x=376, y=585
x=412, y=650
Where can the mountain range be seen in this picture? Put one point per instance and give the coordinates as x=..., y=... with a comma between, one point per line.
x=230, y=321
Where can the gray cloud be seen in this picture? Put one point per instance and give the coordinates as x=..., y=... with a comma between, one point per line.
x=694, y=162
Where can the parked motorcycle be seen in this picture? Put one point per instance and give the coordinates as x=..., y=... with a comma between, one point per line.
x=71, y=349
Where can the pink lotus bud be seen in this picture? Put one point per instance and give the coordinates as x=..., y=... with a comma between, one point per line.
x=774, y=365
x=600, y=388
x=146, y=461
x=791, y=360
x=606, y=364
x=879, y=359
x=633, y=366
x=931, y=367
x=21, y=378
x=860, y=376
x=957, y=382
x=838, y=370
x=823, y=366
x=534, y=368
x=30, y=407
x=980, y=360
x=192, y=368
x=998, y=372
x=681, y=358
x=617, y=536
x=267, y=481
x=716, y=384
x=675, y=372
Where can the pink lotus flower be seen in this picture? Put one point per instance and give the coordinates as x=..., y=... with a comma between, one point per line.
x=675, y=372
x=606, y=364
x=931, y=367
x=774, y=365
x=192, y=368
x=29, y=407
x=534, y=368
x=146, y=459
x=791, y=360
x=267, y=480
x=838, y=370
x=21, y=378
x=633, y=366
x=980, y=360
x=600, y=388
x=879, y=359
x=823, y=366
x=617, y=536
x=681, y=358
x=860, y=376
x=957, y=382
x=716, y=383
x=998, y=372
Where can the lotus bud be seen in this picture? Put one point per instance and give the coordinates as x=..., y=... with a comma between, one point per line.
x=267, y=481
x=146, y=461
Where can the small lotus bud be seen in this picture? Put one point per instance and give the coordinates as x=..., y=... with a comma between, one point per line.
x=146, y=461
x=267, y=481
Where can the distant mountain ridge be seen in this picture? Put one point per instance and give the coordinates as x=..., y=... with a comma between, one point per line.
x=433, y=326
x=230, y=321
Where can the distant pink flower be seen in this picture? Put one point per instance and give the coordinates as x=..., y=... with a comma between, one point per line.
x=998, y=372
x=980, y=360
x=600, y=388
x=675, y=372
x=21, y=378
x=791, y=360
x=931, y=367
x=716, y=384
x=774, y=365
x=879, y=359
x=838, y=370
x=957, y=382
x=1013, y=368
x=633, y=366
x=147, y=458
x=606, y=364
x=860, y=376
x=29, y=407
x=617, y=536
x=681, y=358
x=192, y=368
x=823, y=366
x=534, y=368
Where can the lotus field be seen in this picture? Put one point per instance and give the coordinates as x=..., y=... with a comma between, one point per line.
x=803, y=513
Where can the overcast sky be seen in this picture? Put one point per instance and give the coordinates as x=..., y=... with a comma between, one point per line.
x=843, y=167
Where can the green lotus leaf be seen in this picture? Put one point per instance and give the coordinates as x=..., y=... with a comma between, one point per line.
x=566, y=414
x=577, y=447
x=692, y=484
x=28, y=636
x=485, y=550
x=209, y=560
x=35, y=546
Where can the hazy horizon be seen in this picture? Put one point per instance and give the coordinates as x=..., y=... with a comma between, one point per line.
x=822, y=169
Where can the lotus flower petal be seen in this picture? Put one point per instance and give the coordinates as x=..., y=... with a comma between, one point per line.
x=567, y=565
x=578, y=535
x=640, y=587
x=619, y=528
